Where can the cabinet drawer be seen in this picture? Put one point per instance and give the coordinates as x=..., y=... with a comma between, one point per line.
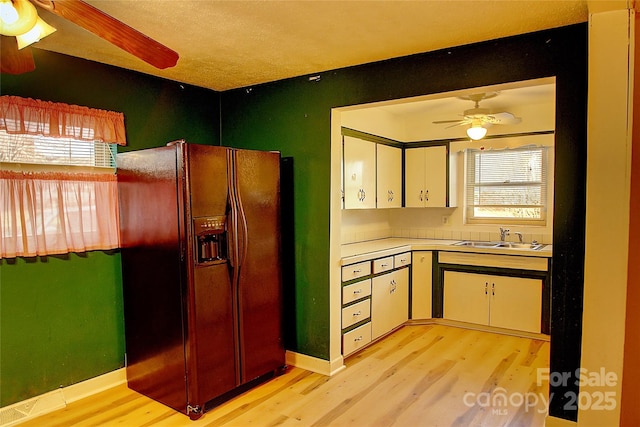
x=402, y=259
x=356, y=339
x=354, y=271
x=356, y=291
x=383, y=264
x=355, y=313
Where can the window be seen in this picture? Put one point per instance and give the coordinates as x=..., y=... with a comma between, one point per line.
x=506, y=186
x=37, y=149
x=58, y=189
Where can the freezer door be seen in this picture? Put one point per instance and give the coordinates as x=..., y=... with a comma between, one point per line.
x=257, y=178
x=211, y=349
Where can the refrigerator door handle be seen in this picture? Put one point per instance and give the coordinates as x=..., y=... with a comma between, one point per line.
x=245, y=232
x=233, y=211
x=241, y=231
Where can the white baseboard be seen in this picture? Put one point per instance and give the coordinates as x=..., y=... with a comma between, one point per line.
x=314, y=364
x=57, y=399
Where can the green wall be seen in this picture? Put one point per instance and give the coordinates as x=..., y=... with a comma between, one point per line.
x=62, y=317
x=62, y=321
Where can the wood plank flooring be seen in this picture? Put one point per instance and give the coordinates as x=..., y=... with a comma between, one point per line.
x=421, y=375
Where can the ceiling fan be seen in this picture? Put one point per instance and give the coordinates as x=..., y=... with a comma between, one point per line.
x=481, y=118
x=17, y=61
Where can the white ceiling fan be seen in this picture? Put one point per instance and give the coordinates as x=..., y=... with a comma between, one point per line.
x=480, y=119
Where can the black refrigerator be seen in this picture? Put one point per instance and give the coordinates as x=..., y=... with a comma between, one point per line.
x=202, y=275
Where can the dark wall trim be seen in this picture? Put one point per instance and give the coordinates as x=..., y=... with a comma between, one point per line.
x=371, y=137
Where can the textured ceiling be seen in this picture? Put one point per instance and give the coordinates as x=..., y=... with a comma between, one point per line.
x=230, y=44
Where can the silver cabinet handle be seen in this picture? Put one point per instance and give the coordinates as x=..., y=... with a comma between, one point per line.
x=493, y=289
x=357, y=291
x=356, y=271
x=358, y=313
x=364, y=195
x=486, y=285
x=426, y=195
x=384, y=265
x=389, y=195
x=421, y=195
x=358, y=338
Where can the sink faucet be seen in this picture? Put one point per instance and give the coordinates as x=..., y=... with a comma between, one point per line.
x=504, y=232
x=519, y=234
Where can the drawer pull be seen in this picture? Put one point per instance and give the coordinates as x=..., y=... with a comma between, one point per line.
x=384, y=265
x=356, y=271
x=358, y=313
x=357, y=291
x=358, y=339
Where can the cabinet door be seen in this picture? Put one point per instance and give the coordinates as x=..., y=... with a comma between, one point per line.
x=435, y=168
x=414, y=177
x=389, y=302
x=421, y=274
x=388, y=176
x=359, y=173
x=516, y=303
x=466, y=297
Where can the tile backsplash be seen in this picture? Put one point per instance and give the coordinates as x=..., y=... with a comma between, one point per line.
x=364, y=225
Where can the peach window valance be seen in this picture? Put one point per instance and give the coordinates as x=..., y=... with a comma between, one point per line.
x=53, y=119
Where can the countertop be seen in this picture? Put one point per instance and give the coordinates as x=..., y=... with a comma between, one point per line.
x=363, y=251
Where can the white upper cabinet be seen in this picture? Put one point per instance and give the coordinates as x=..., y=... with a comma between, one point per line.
x=373, y=175
x=359, y=157
x=389, y=176
x=426, y=178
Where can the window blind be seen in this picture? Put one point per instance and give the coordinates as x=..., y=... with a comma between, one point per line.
x=506, y=185
x=34, y=149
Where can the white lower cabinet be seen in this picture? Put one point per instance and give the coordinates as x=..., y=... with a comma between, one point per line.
x=389, y=301
x=421, y=285
x=500, y=301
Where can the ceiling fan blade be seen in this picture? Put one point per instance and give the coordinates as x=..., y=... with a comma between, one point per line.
x=504, y=118
x=14, y=60
x=460, y=123
x=437, y=122
x=115, y=32
x=464, y=121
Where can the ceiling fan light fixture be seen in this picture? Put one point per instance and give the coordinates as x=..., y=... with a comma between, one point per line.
x=17, y=17
x=476, y=132
x=38, y=32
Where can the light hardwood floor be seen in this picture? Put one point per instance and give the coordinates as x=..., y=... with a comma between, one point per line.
x=421, y=375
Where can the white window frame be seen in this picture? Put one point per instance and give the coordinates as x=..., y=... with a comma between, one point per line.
x=471, y=186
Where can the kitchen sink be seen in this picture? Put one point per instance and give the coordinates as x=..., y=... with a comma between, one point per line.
x=476, y=244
